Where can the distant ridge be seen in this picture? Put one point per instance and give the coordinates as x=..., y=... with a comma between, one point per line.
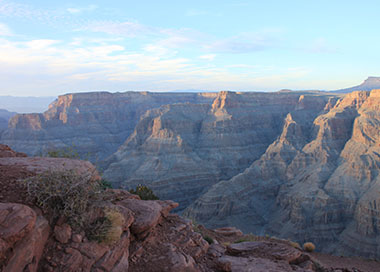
x=28, y=104
x=369, y=84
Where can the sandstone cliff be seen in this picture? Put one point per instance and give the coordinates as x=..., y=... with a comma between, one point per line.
x=317, y=181
x=181, y=150
x=96, y=124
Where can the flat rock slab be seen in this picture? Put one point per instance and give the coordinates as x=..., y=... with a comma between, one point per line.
x=265, y=249
x=252, y=264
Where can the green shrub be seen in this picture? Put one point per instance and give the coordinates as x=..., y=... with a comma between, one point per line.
x=105, y=184
x=64, y=193
x=144, y=193
x=248, y=238
x=69, y=152
x=208, y=239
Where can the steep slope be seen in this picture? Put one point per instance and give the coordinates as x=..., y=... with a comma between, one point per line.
x=181, y=150
x=318, y=181
x=371, y=83
x=96, y=124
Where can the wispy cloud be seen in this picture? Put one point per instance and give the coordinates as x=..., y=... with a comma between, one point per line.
x=5, y=30
x=125, y=29
x=197, y=12
x=209, y=57
x=77, y=10
x=243, y=43
x=321, y=45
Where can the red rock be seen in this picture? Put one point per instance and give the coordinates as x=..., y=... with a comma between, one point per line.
x=147, y=214
x=62, y=233
x=115, y=254
x=77, y=238
x=16, y=221
x=28, y=251
x=277, y=251
x=7, y=152
x=229, y=231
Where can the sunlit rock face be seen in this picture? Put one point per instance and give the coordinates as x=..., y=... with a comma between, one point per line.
x=318, y=181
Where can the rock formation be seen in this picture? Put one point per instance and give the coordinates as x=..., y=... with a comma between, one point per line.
x=181, y=150
x=298, y=165
x=94, y=124
x=317, y=181
x=151, y=239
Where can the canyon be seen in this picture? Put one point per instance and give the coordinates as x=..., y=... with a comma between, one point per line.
x=298, y=165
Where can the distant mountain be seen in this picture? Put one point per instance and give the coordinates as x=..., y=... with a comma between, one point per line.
x=25, y=104
x=4, y=117
x=369, y=84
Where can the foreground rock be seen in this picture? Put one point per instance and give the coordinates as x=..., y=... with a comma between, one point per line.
x=150, y=239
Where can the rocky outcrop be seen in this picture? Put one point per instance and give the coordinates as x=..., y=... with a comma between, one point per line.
x=181, y=150
x=150, y=238
x=94, y=124
x=317, y=181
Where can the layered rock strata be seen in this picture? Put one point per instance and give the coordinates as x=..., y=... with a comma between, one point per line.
x=181, y=150
x=94, y=124
x=317, y=181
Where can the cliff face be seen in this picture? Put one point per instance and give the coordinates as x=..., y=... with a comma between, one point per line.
x=296, y=165
x=181, y=150
x=317, y=181
x=96, y=124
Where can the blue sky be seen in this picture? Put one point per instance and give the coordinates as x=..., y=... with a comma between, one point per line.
x=49, y=48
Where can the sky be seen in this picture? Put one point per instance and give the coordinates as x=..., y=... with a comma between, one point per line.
x=48, y=48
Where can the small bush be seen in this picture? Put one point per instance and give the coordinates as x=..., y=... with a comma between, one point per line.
x=69, y=152
x=144, y=193
x=309, y=247
x=248, y=238
x=64, y=193
x=208, y=239
x=294, y=244
x=107, y=229
x=105, y=184
x=98, y=230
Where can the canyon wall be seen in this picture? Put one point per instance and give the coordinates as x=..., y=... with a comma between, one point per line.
x=317, y=181
x=299, y=165
x=94, y=124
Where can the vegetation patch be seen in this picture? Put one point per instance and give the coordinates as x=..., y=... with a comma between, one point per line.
x=309, y=247
x=64, y=193
x=144, y=192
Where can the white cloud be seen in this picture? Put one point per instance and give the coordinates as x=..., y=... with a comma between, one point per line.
x=73, y=10
x=82, y=9
x=5, y=30
x=209, y=57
